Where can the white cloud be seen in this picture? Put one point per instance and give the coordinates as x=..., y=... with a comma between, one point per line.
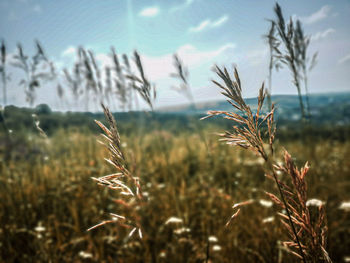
x=149, y=11
x=222, y=20
x=161, y=67
x=209, y=24
x=322, y=34
x=69, y=52
x=319, y=15
x=344, y=59
x=105, y=60
x=203, y=25
x=257, y=57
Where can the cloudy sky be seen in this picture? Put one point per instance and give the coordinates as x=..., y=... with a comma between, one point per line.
x=202, y=32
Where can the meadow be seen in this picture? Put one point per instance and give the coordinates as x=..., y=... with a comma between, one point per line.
x=48, y=199
x=163, y=186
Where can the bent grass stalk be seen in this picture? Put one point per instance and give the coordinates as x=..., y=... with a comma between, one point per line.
x=123, y=181
x=309, y=239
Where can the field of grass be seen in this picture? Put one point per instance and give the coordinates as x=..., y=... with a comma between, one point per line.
x=48, y=199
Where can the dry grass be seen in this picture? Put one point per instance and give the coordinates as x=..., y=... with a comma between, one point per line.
x=53, y=189
x=122, y=180
x=308, y=236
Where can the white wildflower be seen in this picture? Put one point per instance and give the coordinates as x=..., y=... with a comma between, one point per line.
x=39, y=228
x=347, y=259
x=212, y=239
x=182, y=230
x=265, y=203
x=84, y=254
x=314, y=202
x=173, y=220
x=160, y=186
x=345, y=206
x=268, y=219
x=216, y=248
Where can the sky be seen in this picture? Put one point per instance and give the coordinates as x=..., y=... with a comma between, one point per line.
x=201, y=32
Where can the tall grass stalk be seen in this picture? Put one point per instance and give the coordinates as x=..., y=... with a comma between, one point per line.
x=285, y=33
x=4, y=76
x=249, y=133
x=122, y=180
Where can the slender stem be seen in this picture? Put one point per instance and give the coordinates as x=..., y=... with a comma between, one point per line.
x=307, y=94
x=269, y=101
x=289, y=216
x=268, y=161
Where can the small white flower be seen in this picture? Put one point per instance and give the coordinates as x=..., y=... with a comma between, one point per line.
x=162, y=254
x=84, y=254
x=347, y=259
x=314, y=202
x=39, y=228
x=160, y=186
x=216, y=248
x=212, y=239
x=182, y=230
x=173, y=220
x=265, y=203
x=268, y=219
x=345, y=206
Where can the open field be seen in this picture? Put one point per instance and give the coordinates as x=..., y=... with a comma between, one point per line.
x=48, y=199
x=174, y=131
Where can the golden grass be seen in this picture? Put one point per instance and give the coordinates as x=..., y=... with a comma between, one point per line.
x=49, y=201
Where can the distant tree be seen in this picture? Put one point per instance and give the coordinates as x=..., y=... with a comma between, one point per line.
x=42, y=109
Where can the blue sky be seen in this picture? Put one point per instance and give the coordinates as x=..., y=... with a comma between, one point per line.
x=202, y=32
